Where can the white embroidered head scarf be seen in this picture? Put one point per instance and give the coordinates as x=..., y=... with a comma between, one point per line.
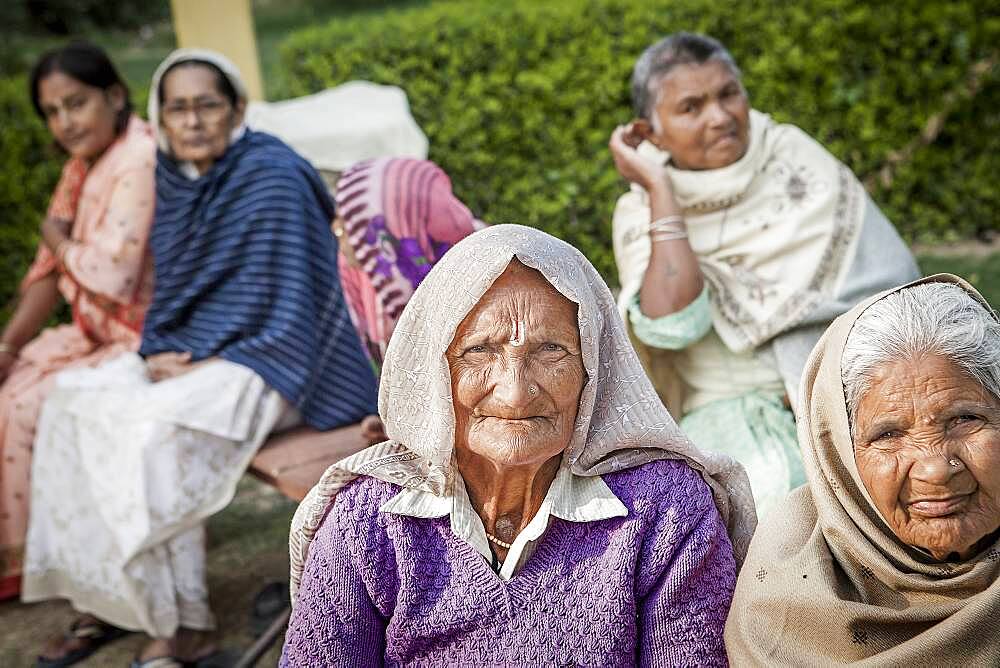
x=226, y=66
x=621, y=422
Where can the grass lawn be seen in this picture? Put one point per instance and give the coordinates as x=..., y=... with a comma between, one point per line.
x=983, y=271
x=247, y=548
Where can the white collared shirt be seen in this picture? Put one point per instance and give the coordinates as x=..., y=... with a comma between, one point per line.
x=570, y=497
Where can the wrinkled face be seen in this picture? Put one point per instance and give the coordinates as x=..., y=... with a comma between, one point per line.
x=927, y=445
x=517, y=371
x=81, y=118
x=196, y=117
x=702, y=116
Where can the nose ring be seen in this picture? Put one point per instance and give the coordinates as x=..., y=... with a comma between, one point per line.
x=954, y=462
x=532, y=389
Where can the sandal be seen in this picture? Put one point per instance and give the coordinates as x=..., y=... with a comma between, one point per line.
x=93, y=632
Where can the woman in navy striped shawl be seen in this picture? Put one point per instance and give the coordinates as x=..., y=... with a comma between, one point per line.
x=246, y=270
x=248, y=332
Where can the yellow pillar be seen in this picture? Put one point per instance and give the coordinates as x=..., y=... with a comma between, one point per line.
x=225, y=26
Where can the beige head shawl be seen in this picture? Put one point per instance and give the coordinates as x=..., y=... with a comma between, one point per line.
x=827, y=581
x=226, y=66
x=621, y=422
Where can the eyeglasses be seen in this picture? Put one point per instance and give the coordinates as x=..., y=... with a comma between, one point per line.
x=207, y=111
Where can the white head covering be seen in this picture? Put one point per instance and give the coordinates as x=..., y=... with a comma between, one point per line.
x=620, y=424
x=228, y=68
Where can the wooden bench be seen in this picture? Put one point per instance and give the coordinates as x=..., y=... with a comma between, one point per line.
x=292, y=462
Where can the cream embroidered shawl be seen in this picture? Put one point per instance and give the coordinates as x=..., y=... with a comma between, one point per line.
x=621, y=423
x=786, y=238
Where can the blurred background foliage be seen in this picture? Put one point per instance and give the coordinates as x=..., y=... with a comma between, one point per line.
x=518, y=98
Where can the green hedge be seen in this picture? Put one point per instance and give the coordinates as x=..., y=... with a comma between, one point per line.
x=29, y=169
x=518, y=98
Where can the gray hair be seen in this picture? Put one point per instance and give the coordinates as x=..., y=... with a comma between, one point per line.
x=935, y=318
x=681, y=48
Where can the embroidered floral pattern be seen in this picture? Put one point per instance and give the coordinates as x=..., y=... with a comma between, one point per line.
x=801, y=186
x=404, y=255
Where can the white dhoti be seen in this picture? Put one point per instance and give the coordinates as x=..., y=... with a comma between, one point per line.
x=125, y=471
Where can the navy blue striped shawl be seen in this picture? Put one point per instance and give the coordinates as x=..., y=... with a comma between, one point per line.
x=246, y=270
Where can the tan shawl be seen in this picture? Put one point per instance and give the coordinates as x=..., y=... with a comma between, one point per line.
x=827, y=582
x=621, y=422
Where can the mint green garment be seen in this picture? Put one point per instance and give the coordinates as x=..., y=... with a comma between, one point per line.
x=758, y=431
x=753, y=427
x=675, y=331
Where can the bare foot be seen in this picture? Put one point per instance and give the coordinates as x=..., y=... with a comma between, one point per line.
x=186, y=646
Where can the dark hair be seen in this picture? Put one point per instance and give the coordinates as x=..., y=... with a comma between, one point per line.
x=681, y=48
x=222, y=82
x=89, y=65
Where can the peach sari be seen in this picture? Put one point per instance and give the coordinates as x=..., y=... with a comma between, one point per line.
x=106, y=276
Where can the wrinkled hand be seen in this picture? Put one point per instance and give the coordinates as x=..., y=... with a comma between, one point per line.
x=54, y=231
x=632, y=166
x=372, y=430
x=168, y=365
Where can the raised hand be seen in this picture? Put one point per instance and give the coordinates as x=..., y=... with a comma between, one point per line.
x=629, y=163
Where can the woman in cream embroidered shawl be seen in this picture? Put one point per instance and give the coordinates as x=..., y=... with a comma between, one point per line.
x=890, y=555
x=740, y=239
x=535, y=503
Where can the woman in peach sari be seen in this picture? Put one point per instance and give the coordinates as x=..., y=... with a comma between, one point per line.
x=92, y=253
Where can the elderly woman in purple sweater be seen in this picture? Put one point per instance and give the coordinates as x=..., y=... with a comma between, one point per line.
x=535, y=503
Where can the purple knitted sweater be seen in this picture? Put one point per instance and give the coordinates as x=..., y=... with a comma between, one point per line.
x=650, y=589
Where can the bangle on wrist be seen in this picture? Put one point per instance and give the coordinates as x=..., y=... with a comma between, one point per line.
x=9, y=349
x=668, y=236
x=668, y=228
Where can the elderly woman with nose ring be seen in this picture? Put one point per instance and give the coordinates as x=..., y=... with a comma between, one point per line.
x=890, y=555
x=535, y=502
